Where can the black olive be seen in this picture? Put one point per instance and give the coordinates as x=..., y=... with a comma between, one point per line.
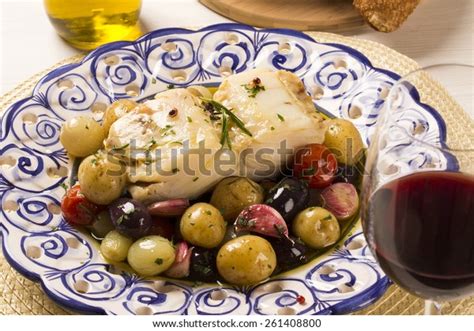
x=348, y=174
x=203, y=266
x=289, y=251
x=130, y=217
x=288, y=197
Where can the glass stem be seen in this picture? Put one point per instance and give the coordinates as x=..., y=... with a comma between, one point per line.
x=432, y=308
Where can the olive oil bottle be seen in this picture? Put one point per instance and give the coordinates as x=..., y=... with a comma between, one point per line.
x=87, y=24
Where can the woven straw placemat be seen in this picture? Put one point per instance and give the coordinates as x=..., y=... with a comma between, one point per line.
x=19, y=295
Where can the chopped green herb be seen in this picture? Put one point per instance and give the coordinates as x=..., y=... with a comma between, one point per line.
x=94, y=161
x=64, y=186
x=311, y=208
x=195, y=179
x=152, y=142
x=190, y=120
x=159, y=261
x=153, y=80
x=170, y=86
x=272, y=128
x=208, y=212
x=166, y=128
x=254, y=87
x=309, y=171
x=87, y=127
x=327, y=218
x=203, y=269
x=54, y=228
x=281, y=118
x=175, y=170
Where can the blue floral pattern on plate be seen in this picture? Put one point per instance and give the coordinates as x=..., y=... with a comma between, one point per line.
x=41, y=245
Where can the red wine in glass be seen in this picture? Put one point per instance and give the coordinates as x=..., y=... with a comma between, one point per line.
x=422, y=229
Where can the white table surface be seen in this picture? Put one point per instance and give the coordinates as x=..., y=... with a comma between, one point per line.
x=440, y=31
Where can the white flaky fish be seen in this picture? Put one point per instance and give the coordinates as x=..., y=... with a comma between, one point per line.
x=172, y=144
x=277, y=111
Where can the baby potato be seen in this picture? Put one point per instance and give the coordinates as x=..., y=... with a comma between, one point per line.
x=82, y=136
x=151, y=255
x=234, y=194
x=115, y=111
x=316, y=227
x=202, y=225
x=115, y=246
x=102, y=181
x=344, y=140
x=246, y=260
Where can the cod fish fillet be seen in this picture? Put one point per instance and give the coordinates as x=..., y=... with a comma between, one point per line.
x=160, y=140
x=279, y=113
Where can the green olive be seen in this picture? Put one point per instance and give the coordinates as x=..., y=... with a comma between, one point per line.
x=151, y=255
x=102, y=225
x=115, y=246
x=203, y=225
x=344, y=140
x=316, y=227
x=246, y=260
x=234, y=194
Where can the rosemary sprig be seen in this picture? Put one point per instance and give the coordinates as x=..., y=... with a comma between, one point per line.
x=114, y=149
x=223, y=110
x=225, y=139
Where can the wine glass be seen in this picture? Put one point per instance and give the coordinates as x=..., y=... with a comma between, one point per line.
x=418, y=190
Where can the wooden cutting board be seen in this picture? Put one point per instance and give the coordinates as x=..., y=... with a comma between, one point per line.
x=326, y=15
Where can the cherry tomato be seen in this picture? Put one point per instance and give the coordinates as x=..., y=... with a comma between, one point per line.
x=77, y=209
x=162, y=227
x=316, y=164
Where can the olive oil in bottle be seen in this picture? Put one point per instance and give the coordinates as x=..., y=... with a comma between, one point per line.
x=87, y=24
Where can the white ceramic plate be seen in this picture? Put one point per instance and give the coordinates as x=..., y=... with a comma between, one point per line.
x=41, y=245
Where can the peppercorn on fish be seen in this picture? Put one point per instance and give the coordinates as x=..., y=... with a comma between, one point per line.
x=253, y=113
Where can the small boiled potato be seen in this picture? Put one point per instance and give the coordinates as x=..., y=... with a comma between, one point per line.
x=344, y=140
x=82, y=136
x=234, y=194
x=202, y=225
x=316, y=227
x=246, y=260
x=151, y=255
x=115, y=111
x=115, y=246
x=102, y=181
